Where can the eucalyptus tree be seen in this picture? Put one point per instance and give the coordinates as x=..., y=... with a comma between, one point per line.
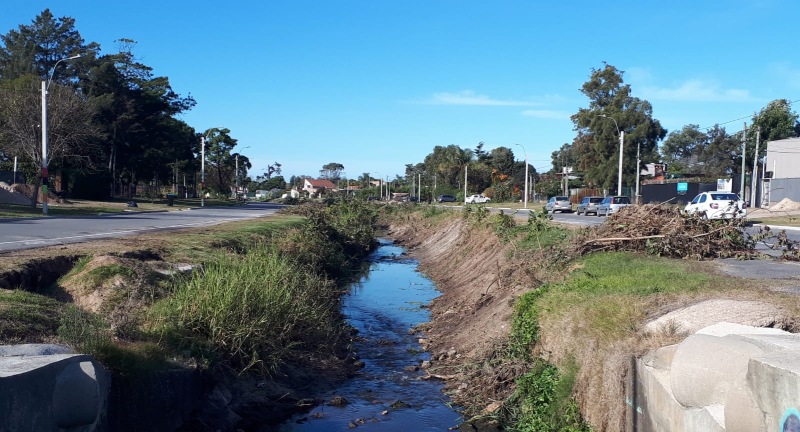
x=610, y=97
x=332, y=171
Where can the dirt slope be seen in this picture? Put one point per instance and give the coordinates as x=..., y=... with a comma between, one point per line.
x=480, y=282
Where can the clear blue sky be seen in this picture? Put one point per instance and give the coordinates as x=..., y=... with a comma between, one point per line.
x=376, y=84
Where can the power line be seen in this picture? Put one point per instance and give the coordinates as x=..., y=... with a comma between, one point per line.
x=740, y=118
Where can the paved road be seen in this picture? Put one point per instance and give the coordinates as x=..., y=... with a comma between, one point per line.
x=30, y=233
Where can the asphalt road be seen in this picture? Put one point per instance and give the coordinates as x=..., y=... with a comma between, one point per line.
x=30, y=233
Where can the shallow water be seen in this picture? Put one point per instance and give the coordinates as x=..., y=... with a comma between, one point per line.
x=384, y=305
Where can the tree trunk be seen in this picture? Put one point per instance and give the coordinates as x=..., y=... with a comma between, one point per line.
x=35, y=194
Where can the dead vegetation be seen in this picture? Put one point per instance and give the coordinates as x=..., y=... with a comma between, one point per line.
x=664, y=231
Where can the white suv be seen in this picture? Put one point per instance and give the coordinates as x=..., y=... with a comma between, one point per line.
x=717, y=205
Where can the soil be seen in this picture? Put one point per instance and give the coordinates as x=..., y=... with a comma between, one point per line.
x=480, y=280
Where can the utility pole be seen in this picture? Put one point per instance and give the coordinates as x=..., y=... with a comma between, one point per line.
x=619, y=177
x=202, y=171
x=744, y=144
x=754, y=179
x=465, y=183
x=638, y=171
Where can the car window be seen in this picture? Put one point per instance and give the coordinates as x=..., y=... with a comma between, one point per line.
x=606, y=200
x=622, y=200
x=724, y=197
x=702, y=198
x=596, y=200
x=562, y=198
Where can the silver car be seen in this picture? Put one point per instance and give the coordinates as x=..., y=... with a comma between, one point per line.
x=612, y=204
x=588, y=205
x=558, y=204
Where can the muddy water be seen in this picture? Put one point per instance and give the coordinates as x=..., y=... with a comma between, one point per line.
x=385, y=396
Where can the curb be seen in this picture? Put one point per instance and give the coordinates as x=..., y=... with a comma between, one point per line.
x=778, y=227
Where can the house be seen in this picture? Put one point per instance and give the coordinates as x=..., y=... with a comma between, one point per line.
x=780, y=173
x=320, y=186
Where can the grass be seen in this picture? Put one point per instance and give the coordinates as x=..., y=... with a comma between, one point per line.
x=793, y=221
x=263, y=291
x=27, y=317
x=248, y=310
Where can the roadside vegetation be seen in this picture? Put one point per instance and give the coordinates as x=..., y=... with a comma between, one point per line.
x=581, y=300
x=247, y=296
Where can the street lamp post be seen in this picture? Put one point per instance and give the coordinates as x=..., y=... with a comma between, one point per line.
x=526, y=176
x=45, y=87
x=621, y=143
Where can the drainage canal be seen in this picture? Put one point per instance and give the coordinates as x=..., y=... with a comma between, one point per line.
x=388, y=394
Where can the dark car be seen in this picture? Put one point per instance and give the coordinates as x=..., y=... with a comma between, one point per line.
x=446, y=198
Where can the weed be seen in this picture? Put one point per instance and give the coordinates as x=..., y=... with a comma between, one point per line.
x=249, y=311
x=543, y=401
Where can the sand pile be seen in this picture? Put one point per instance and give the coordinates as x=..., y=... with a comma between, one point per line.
x=786, y=205
x=8, y=195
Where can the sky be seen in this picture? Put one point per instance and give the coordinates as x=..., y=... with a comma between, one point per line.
x=377, y=84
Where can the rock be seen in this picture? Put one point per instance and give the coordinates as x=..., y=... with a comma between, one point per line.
x=425, y=365
x=338, y=401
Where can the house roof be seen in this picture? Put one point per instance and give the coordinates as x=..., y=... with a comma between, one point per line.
x=321, y=183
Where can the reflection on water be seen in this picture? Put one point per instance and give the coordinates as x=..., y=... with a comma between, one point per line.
x=386, y=395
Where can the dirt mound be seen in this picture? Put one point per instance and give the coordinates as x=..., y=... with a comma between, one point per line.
x=786, y=205
x=692, y=318
x=10, y=194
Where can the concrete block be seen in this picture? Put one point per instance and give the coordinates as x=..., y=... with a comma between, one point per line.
x=660, y=358
x=727, y=328
x=52, y=393
x=772, y=342
x=774, y=380
x=742, y=413
x=705, y=367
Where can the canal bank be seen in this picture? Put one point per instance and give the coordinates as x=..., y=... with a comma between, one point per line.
x=392, y=392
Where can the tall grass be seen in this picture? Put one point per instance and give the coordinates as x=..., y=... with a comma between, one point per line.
x=250, y=311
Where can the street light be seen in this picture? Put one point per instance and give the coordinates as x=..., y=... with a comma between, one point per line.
x=237, y=173
x=621, y=143
x=526, y=176
x=45, y=87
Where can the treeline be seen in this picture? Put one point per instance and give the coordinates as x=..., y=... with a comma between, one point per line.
x=111, y=121
x=592, y=158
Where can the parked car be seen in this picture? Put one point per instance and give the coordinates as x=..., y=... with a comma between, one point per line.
x=588, y=205
x=558, y=203
x=477, y=199
x=717, y=205
x=446, y=198
x=612, y=204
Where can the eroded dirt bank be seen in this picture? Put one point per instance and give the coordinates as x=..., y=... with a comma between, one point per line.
x=481, y=278
x=471, y=319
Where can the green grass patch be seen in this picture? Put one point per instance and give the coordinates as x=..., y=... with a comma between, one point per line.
x=249, y=311
x=26, y=317
x=543, y=401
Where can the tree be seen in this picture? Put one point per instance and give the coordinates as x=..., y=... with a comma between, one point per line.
x=776, y=121
x=219, y=161
x=332, y=171
x=34, y=49
x=682, y=149
x=70, y=131
x=609, y=97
